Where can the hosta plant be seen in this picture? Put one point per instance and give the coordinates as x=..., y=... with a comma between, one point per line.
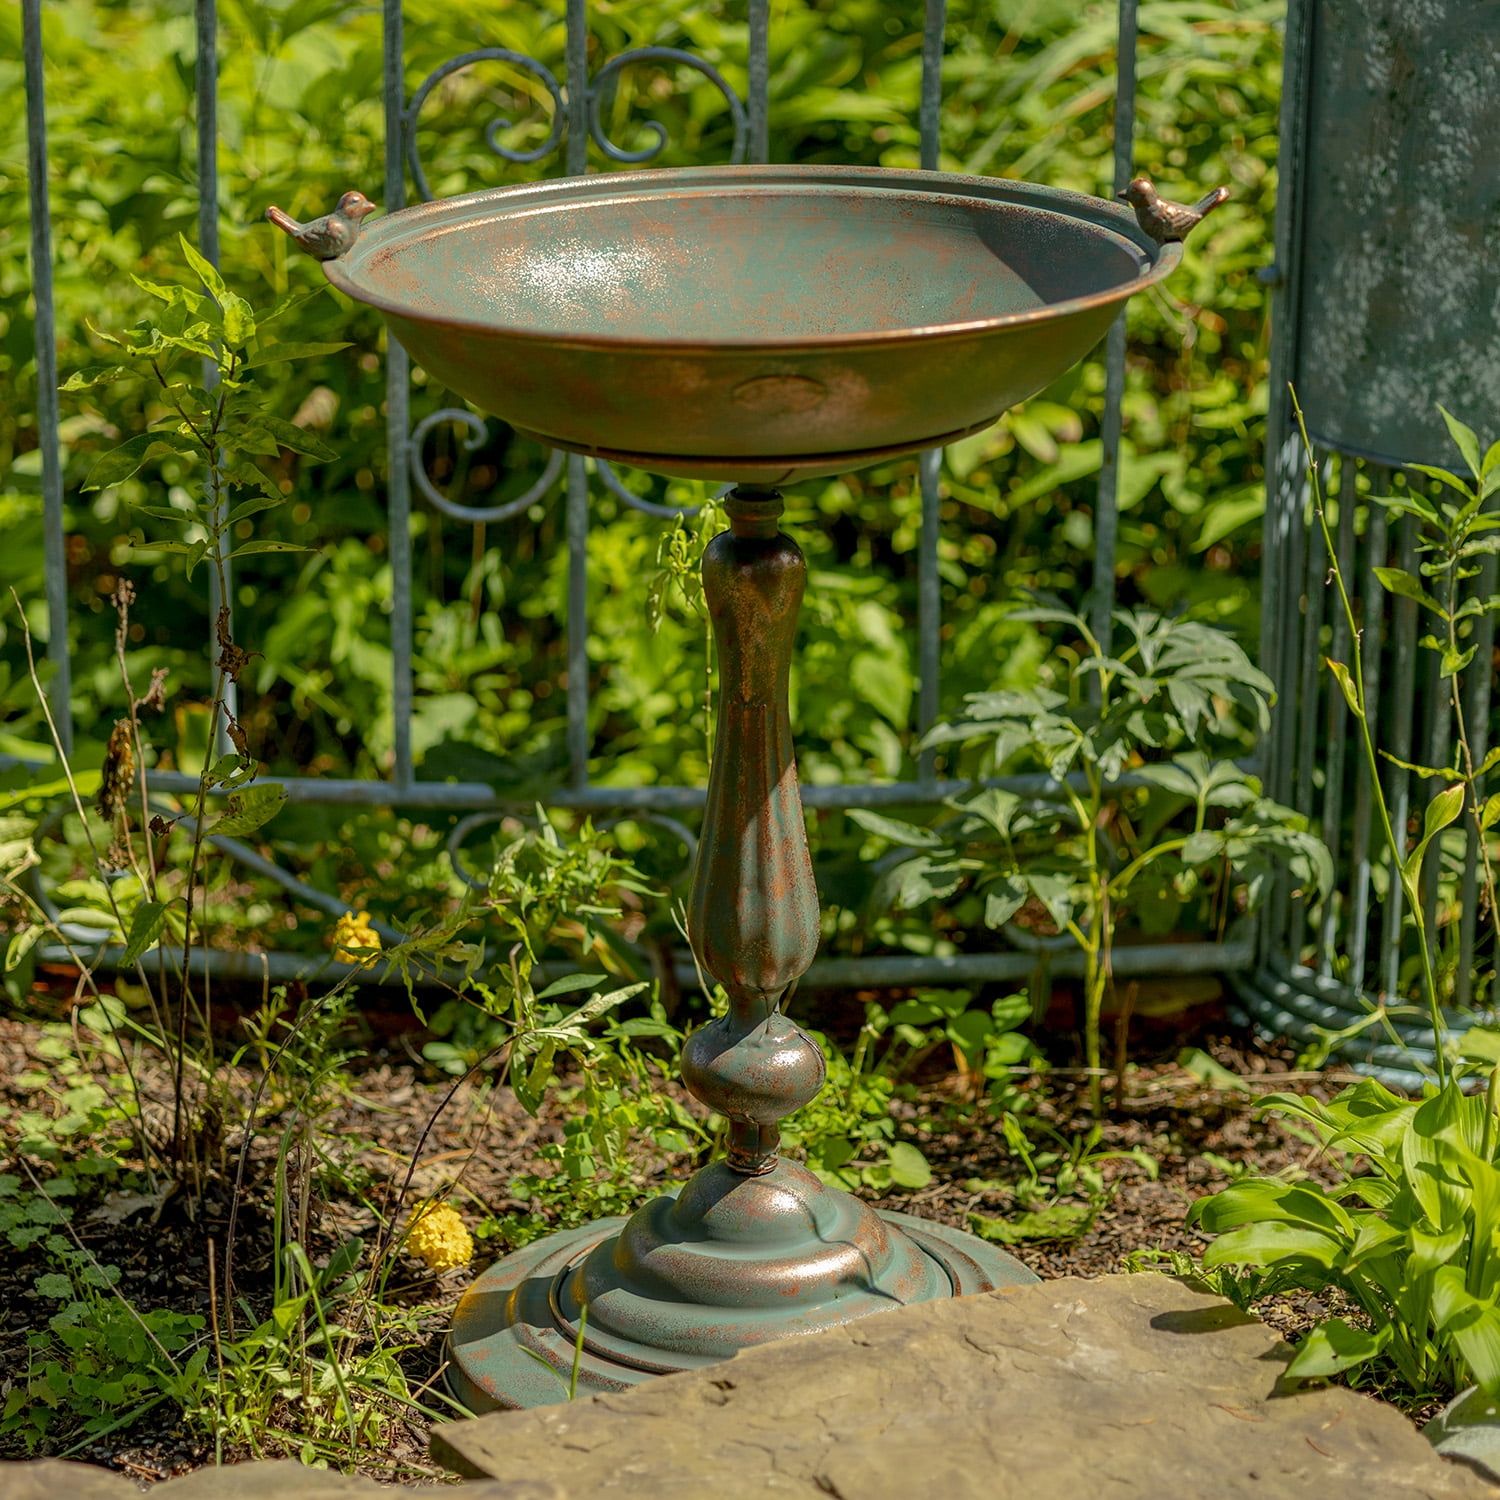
x=1409, y=1233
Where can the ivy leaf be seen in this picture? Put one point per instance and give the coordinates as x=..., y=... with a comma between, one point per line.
x=54, y=1284
x=145, y=928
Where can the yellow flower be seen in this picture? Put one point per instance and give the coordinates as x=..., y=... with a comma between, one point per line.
x=351, y=932
x=438, y=1239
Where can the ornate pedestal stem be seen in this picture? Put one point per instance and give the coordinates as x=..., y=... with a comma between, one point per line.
x=754, y=912
x=754, y=1247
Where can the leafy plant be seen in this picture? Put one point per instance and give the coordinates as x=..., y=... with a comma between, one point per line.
x=1130, y=815
x=1412, y=1237
x=1410, y=1229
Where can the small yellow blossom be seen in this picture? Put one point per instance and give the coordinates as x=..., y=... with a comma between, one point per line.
x=352, y=932
x=438, y=1239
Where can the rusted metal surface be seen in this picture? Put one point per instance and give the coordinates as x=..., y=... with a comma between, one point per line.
x=1398, y=297
x=752, y=323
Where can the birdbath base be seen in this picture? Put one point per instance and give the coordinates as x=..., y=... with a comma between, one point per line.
x=728, y=1262
x=753, y=1247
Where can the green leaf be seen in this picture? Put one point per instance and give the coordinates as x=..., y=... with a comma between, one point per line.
x=570, y=984
x=298, y=439
x=145, y=927
x=249, y=810
x=207, y=273
x=239, y=321
x=1471, y=1322
x=21, y=944
x=907, y=835
x=1464, y=440
x=1341, y=675
x=252, y=549
x=1334, y=1346
x=1445, y=806
x=280, y=353
x=909, y=1168
x=1003, y=898
x=1399, y=581
x=120, y=463
x=92, y=376
x=1269, y=1244
x=1059, y=1221
x=54, y=1284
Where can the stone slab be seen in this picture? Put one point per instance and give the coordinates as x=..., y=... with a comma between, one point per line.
x=1121, y=1388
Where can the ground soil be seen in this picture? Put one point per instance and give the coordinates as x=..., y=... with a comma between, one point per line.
x=393, y=1111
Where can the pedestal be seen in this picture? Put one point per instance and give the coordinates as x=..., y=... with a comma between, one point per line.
x=754, y=1247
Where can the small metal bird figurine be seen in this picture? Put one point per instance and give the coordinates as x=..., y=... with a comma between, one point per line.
x=329, y=237
x=1167, y=222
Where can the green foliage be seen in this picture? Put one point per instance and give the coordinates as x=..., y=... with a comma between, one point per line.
x=1409, y=1233
x=1027, y=93
x=1134, y=819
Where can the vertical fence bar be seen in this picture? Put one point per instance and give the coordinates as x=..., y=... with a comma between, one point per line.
x=398, y=410
x=1372, y=645
x=1398, y=784
x=758, y=98
x=577, y=505
x=206, y=89
x=929, y=466
x=54, y=536
x=1477, y=723
x=1336, y=731
x=1307, y=700
x=1439, y=742
x=1106, y=506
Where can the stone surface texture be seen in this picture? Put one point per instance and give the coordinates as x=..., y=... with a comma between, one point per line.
x=1124, y=1387
x=1121, y=1387
x=1467, y=1430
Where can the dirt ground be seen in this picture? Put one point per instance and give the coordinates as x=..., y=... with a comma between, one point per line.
x=1197, y=1135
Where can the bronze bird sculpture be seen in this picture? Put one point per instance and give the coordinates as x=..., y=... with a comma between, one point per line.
x=329, y=237
x=1167, y=222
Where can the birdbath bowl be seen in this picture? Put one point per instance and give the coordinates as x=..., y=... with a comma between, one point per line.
x=758, y=325
x=761, y=324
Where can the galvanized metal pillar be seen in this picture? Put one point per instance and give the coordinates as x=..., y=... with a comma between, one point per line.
x=1386, y=303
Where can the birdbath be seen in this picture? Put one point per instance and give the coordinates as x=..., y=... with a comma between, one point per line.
x=756, y=325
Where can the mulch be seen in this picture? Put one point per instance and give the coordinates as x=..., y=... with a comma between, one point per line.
x=476, y=1143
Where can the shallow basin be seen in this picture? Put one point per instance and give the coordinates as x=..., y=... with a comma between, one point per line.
x=755, y=324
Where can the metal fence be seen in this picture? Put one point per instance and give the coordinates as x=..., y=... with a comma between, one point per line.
x=576, y=126
x=1304, y=969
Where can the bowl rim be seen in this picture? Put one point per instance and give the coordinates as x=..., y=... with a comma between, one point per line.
x=392, y=229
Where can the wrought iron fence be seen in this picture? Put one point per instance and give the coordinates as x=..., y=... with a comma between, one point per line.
x=576, y=125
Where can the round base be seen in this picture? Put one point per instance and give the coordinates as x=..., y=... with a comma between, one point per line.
x=693, y=1277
